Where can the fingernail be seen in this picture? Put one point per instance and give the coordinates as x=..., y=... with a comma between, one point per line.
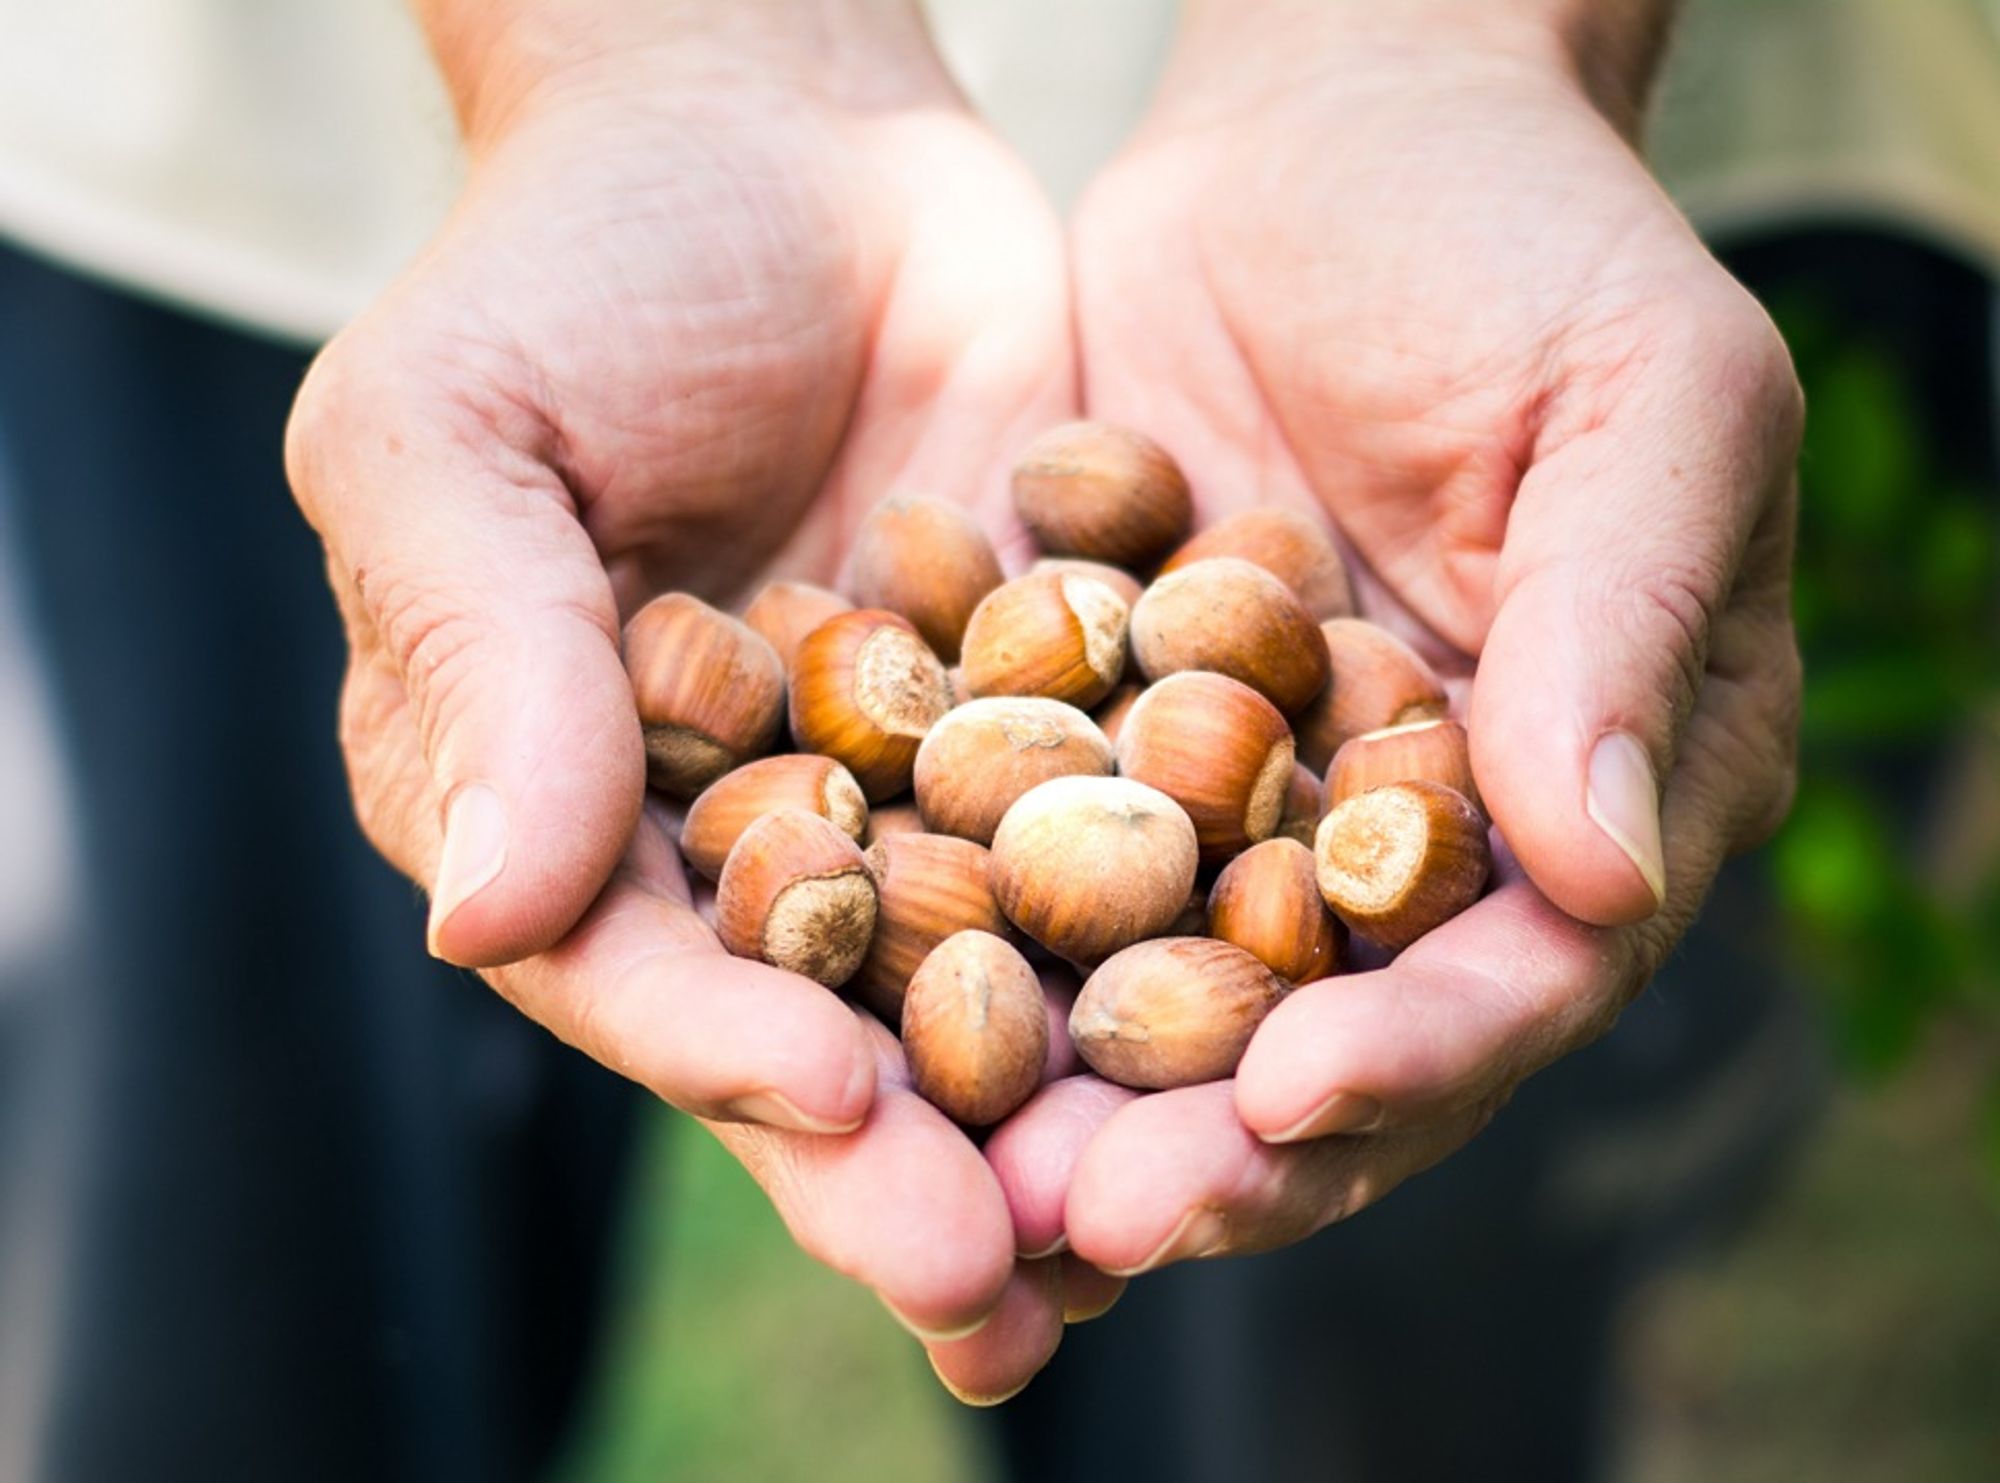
x=475, y=849
x=940, y=1336
x=970, y=1398
x=1624, y=802
x=778, y=1111
x=1086, y=1312
x=1201, y=1232
x=1055, y=1248
x=1343, y=1112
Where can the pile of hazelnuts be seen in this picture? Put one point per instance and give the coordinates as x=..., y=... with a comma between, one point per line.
x=1125, y=775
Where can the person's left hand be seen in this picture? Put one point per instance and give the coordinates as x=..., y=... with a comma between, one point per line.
x=1433, y=294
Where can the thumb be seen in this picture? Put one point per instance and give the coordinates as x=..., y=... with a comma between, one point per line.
x=461, y=567
x=1622, y=550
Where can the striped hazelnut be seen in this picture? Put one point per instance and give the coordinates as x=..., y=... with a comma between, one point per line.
x=1304, y=804
x=1049, y=634
x=736, y=800
x=987, y=753
x=975, y=1029
x=1173, y=1012
x=1114, y=708
x=1267, y=902
x=1378, y=681
x=1291, y=545
x=928, y=561
x=710, y=692
x=783, y=613
x=865, y=689
x=929, y=886
x=884, y=820
x=1218, y=749
x=1396, y=862
x=1103, y=493
x=795, y=893
x=1418, y=751
x=1228, y=615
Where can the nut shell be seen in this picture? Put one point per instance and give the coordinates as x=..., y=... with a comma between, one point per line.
x=929, y=886
x=1052, y=634
x=1172, y=1012
x=987, y=753
x=1304, y=804
x=1378, y=681
x=900, y=817
x=1289, y=544
x=975, y=1028
x=796, y=893
x=1396, y=862
x=1228, y=615
x=710, y=692
x=1101, y=492
x=736, y=800
x=1087, y=865
x=865, y=689
x=1114, y=708
x=1421, y=751
x=783, y=613
x=1120, y=581
x=1218, y=749
x=928, y=561
x=1267, y=902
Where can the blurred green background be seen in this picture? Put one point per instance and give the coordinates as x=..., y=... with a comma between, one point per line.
x=1852, y=1333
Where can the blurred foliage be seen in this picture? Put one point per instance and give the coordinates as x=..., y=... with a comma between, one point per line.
x=1898, y=623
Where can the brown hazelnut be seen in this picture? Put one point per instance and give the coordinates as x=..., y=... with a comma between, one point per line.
x=1114, y=708
x=736, y=800
x=929, y=886
x=783, y=613
x=928, y=561
x=1418, y=751
x=865, y=689
x=1267, y=902
x=1120, y=581
x=987, y=753
x=1304, y=804
x=1049, y=634
x=1086, y=866
x=1218, y=749
x=1101, y=492
x=1378, y=681
x=1172, y=1012
x=1291, y=545
x=796, y=893
x=975, y=1028
x=1228, y=615
x=885, y=820
x=1395, y=862
x=710, y=693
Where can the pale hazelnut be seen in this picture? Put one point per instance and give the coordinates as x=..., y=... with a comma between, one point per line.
x=928, y=561
x=1291, y=545
x=1228, y=615
x=1218, y=749
x=865, y=689
x=1050, y=634
x=1267, y=902
x=796, y=893
x=710, y=692
x=783, y=613
x=975, y=1028
x=1304, y=805
x=929, y=886
x=1378, y=681
x=1172, y=1012
x=1418, y=751
x=736, y=800
x=1088, y=865
x=1395, y=862
x=987, y=753
x=1101, y=492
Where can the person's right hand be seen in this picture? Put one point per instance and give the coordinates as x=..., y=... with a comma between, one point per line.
x=720, y=278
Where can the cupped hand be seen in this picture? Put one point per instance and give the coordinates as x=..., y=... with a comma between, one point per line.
x=1425, y=288
x=703, y=301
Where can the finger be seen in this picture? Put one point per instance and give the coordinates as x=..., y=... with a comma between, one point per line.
x=1034, y=1154
x=904, y=1205
x=1087, y=1292
x=1013, y=1345
x=463, y=559
x=1622, y=548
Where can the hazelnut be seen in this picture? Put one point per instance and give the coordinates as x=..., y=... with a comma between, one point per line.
x=865, y=689
x=929, y=886
x=1267, y=902
x=1114, y=708
x=1228, y=615
x=1101, y=492
x=1086, y=865
x=1172, y=1012
x=1049, y=634
x=1419, y=751
x=890, y=819
x=1291, y=545
x=1218, y=749
x=1304, y=804
x=796, y=893
x=1378, y=681
x=1395, y=862
x=976, y=1028
x=987, y=753
x=736, y=800
x=710, y=692
x=928, y=561
x=1120, y=581
x=783, y=613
